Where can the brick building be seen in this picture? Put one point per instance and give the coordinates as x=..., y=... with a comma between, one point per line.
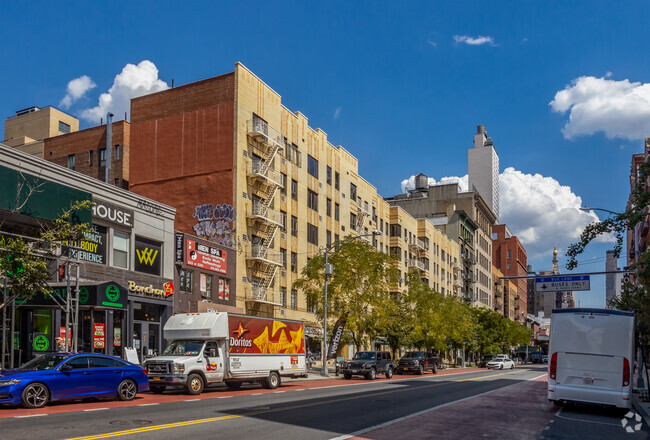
x=509, y=256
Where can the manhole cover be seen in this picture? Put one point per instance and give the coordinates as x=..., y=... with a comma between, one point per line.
x=130, y=422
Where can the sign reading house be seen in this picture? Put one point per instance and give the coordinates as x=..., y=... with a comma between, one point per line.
x=113, y=214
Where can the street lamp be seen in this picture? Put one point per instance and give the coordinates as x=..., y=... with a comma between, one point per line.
x=600, y=209
x=328, y=271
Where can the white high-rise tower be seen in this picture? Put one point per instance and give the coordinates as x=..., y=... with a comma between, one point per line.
x=483, y=162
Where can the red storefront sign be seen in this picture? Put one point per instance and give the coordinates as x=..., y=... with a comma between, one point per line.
x=99, y=338
x=205, y=257
x=169, y=289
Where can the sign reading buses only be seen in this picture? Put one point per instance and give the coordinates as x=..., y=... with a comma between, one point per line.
x=562, y=283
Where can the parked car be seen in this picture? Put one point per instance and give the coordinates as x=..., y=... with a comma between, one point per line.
x=69, y=376
x=417, y=362
x=545, y=359
x=369, y=364
x=485, y=359
x=501, y=362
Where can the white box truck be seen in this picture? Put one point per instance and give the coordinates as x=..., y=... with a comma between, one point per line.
x=209, y=348
x=591, y=352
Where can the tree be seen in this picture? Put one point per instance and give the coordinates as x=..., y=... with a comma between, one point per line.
x=358, y=289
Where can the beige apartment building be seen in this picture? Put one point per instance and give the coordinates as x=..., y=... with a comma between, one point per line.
x=27, y=130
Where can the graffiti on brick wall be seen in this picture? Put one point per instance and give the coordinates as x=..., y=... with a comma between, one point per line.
x=215, y=222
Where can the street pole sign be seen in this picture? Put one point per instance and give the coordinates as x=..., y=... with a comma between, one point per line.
x=562, y=283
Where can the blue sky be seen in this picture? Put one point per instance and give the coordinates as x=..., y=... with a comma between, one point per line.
x=401, y=86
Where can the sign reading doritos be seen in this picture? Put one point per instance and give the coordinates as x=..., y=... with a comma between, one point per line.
x=258, y=335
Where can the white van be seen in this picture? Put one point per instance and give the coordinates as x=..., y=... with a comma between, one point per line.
x=591, y=351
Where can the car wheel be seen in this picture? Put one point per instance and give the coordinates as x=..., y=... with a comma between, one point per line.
x=501, y=368
x=194, y=384
x=271, y=382
x=421, y=370
x=389, y=373
x=126, y=390
x=347, y=376
x=372, y=374
x=233, y=385
x=157, y=389
x=435, y=369
x=35, y=395
x=512, y=367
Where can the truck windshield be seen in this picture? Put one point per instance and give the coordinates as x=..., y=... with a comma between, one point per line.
x=184, y=348
x=365, y=356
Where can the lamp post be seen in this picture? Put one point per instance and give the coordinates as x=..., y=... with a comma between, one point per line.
x=600, y=209
x=328, y=271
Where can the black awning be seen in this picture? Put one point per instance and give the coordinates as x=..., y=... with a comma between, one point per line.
x=105, y=294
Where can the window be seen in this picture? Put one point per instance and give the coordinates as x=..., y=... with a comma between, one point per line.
x=283, y=216
x=312, y=234
x=294, y=189
x=328, y=238
x=63, y=127
x=329, y=175
x=312, y=166
x=294, y=262
x=186, y=278
x=78, y=363
x=353, y=220
x=102, y=157
x=294, y=225
x=328, y=207
x=91, y=156
x=117, y=152
x=311, y=306
x=336, y=238
x=120, y=249
x=395, y=230
x=294, y=300
x=283, y=254
x=206, y=285
x=312, y=200
x=442, y=256
x=294, y=155
x=336, y=211
x=336, y=180
x=102, y=362
x=509, y=266
x=71, y=161
x=283, y=178
x=283, y=297
x=509, y=254
x=353, y=191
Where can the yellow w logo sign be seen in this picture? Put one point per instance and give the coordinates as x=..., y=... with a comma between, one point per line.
x=147, y=256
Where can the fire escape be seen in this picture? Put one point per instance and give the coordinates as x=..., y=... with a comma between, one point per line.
x=263, y=221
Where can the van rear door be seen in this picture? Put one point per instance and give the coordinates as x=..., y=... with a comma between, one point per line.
x=592, y=371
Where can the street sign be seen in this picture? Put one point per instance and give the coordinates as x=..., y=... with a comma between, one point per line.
x=562, y=283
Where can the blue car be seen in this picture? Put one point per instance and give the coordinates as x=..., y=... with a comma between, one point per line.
x=69, y=376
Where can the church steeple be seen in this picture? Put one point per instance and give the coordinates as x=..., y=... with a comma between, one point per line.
x=556, y=266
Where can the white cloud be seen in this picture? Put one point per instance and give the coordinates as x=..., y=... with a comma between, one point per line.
x=132, y=82
x=474, y=41
x=524, y=40
x=538, y=210
x=337, y=112
x=620, y=109
x=432, y=43
x=76, y=89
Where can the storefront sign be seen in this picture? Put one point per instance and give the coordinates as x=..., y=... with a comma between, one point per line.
x=205, y=257
x=145, y=290
x=98, y=335
x=93, y=245
x=147, y=256
x=41, y=343
x=179, y=248
x=117, y=337
x=108, y=294
x=169, y=289
x=113, y=213
x=113, y=294
x=221, y=287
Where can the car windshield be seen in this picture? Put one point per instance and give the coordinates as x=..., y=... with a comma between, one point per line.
x=183, y=348
x=499, y=358
x=413, y=355
x=365, y=356
x=45, y=362
x=487, y=357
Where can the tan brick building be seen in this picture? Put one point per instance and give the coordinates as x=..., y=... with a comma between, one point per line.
x=27, y=130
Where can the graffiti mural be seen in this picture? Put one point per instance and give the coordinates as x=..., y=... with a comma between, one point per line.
x=214, y=222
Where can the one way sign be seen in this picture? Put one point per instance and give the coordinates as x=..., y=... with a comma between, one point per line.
x=562, y=283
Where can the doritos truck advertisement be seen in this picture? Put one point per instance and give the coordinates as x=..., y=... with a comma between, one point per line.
x=258, y=335
x=205, y=257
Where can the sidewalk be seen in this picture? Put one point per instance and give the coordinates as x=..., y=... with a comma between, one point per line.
x=314, y=373
x=640, y=406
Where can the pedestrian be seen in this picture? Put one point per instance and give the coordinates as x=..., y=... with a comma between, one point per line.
x=60, y=344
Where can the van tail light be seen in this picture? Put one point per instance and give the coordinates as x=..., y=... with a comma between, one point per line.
x=626, y=372
x=553, y=367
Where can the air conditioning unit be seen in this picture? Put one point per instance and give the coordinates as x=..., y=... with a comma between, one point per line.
x=284, y=199
x=283, y=236
x=282, y=312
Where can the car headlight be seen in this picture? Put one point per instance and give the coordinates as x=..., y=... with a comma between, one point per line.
x=4, y=383
x=178, y=368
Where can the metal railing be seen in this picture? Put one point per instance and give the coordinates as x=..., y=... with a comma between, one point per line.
x=418, y=244
x=417, y=264
x=260, y=210
x=259, y=252
x=258, y=293
x=260, y=130
x=263, y=170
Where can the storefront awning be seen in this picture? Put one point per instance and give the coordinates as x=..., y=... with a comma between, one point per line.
x=107, y=294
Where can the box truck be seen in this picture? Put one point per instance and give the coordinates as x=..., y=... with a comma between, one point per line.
x=591, y=352
x=209, y=348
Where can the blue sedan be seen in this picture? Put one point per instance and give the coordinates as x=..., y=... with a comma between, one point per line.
x=68, y=376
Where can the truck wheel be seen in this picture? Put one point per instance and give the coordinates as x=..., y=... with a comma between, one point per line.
x=271, y=382
x=194, y=384
x=372, y=374
x=435, y=369
x=157, y=389
x=421, y=370
x=389, y=373
x=233, y=385
x=347, y=376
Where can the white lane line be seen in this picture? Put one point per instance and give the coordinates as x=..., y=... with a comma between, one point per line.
x=191, y=400
x=256, y=394
x=95, y=409
x=419, y=413
x=277, y=392
x=301, y=389
x=225, y=397
x=148, y=404
x=31, y=415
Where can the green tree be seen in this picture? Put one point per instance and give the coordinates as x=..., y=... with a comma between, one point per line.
x=358, y=289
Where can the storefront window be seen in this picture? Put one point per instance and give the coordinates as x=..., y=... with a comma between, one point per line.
x=120, y=249
x=146, y=312
x=99, y=332
x=118, y=322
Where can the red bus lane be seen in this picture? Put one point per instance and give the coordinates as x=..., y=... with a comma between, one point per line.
x=210, y=393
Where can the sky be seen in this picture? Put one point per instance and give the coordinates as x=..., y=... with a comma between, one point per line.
x=563, y=88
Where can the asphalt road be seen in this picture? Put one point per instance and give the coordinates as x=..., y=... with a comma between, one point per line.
x=339, y=409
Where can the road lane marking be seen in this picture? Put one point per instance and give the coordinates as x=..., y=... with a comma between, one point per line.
x=148, y=404
x=95, y=409
x=278, y=392
x=227, y=397
x=286, y=408
x=191, y=400
x=31, y=415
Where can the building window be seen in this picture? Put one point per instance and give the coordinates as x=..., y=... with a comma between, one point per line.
x=63, y=127
x=311, y=306
x=102, y=157
x=294, y=189
x=336, y=238
x=283, y=178
x=509, y=254
x=283, y=255
x=185, y=277
x=71, y=161
x=353, y=192
x=283, y=216
x=294, y=262
x=294, y=225
x=312, y=234
x=312, y=200
x=442, y=256
x=117, y=152
x=283, y=297
x=329, y=175
x=395, y=230
x=328, y=207
x=336, y=211
x=312, y=166
x=206, y=285
x=353, y=221
x=328, y=238
x=509, y=266
x=91, y=156
x=294, y=155
x=336, y=180
x=294, y=299
x=120, y=249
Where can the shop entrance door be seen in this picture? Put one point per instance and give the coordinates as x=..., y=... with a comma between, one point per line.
x=146, y=338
